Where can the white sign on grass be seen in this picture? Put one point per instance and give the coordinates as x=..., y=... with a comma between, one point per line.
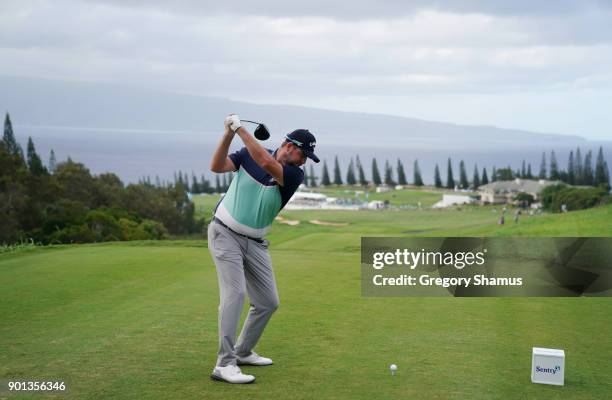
x=548, y=366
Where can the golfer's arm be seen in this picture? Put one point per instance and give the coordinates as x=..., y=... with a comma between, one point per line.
x=220, y=161
x=261, y=155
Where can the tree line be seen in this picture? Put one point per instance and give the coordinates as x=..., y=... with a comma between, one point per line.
x=65, y=203
x=194, y=184
x=580, y=171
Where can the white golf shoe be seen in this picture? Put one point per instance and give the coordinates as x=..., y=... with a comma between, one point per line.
x=254, y=359
x=231, y=374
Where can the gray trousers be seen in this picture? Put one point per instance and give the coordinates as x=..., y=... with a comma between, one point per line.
x=243, y=267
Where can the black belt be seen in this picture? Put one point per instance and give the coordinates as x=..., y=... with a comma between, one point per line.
x=217, y=220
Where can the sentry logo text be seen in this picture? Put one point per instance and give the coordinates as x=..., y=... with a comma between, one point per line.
x=548, y=370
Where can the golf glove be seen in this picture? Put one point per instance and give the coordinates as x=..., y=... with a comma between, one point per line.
x=233, y=122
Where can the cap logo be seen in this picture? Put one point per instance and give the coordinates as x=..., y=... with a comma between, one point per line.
x=313, y=144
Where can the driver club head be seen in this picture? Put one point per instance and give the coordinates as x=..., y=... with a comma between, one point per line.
x=261, y=132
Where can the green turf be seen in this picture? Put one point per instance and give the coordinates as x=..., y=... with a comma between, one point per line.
x=139, y=319
x=406, y=197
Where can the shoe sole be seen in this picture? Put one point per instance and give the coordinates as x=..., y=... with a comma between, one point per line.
x=253, y=365
x=219, y=379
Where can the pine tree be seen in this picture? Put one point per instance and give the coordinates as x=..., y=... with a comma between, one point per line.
x=476, y=178
x=437, y=179
x=224, y=182
x=607, y=176
x=600, y=174
x=554, y=168
x=571, y=173
x=463, y=180
x=375, y=173
x=542, y=174
x=35, y=165
x=418, y=179
x=52, y=162
x=325, y=176
x=362, y=178
x=578, y=169
x=306, y=179
x=205, y=184
x=185, y=180
x=337, y=173
x=195, y=186
x=523, y=174
x=493, y=175
x=587, y=171
x=218, y=188
x=9, y=141
x=529, y=173
x=401, y=174
x=485, y=178
x=450, y=180
x=388, y=174
x=313, y=177
x=350, y=174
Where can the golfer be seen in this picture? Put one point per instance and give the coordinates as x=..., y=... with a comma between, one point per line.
x=265, y=182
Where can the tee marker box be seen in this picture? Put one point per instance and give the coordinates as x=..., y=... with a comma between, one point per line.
x=548, y=366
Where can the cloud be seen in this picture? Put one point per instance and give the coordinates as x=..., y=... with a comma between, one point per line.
x=364, y=9
x=273, y=50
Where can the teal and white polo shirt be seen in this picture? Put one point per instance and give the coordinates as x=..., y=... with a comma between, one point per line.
x=254, y=198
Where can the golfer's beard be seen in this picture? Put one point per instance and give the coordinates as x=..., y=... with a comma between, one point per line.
x=287, y=162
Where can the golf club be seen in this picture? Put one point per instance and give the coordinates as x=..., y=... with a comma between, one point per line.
x=261, y=132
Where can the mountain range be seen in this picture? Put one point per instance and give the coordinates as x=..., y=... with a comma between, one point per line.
x=135, y=132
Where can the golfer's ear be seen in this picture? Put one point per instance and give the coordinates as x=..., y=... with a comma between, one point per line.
x=291, y=146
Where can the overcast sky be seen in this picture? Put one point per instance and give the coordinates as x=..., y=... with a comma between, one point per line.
x=543, y=66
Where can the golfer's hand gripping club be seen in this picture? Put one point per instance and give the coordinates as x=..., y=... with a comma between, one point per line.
x=233, y=121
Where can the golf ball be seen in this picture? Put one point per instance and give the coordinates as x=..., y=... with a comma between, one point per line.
x=393, y=367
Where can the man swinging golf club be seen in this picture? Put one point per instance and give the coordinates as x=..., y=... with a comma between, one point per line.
x=265, y=182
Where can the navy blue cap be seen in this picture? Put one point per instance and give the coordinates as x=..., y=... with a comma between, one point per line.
x=306, y=141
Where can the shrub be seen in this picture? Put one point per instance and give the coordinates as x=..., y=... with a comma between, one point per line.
x=131, y=230
x=155, y=229
x=553, y=197
x=104, y=226
x=73, y=234
x=523, y=199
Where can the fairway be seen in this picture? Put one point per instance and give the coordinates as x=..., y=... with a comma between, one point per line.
x=139, y=320
x=472, y=220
